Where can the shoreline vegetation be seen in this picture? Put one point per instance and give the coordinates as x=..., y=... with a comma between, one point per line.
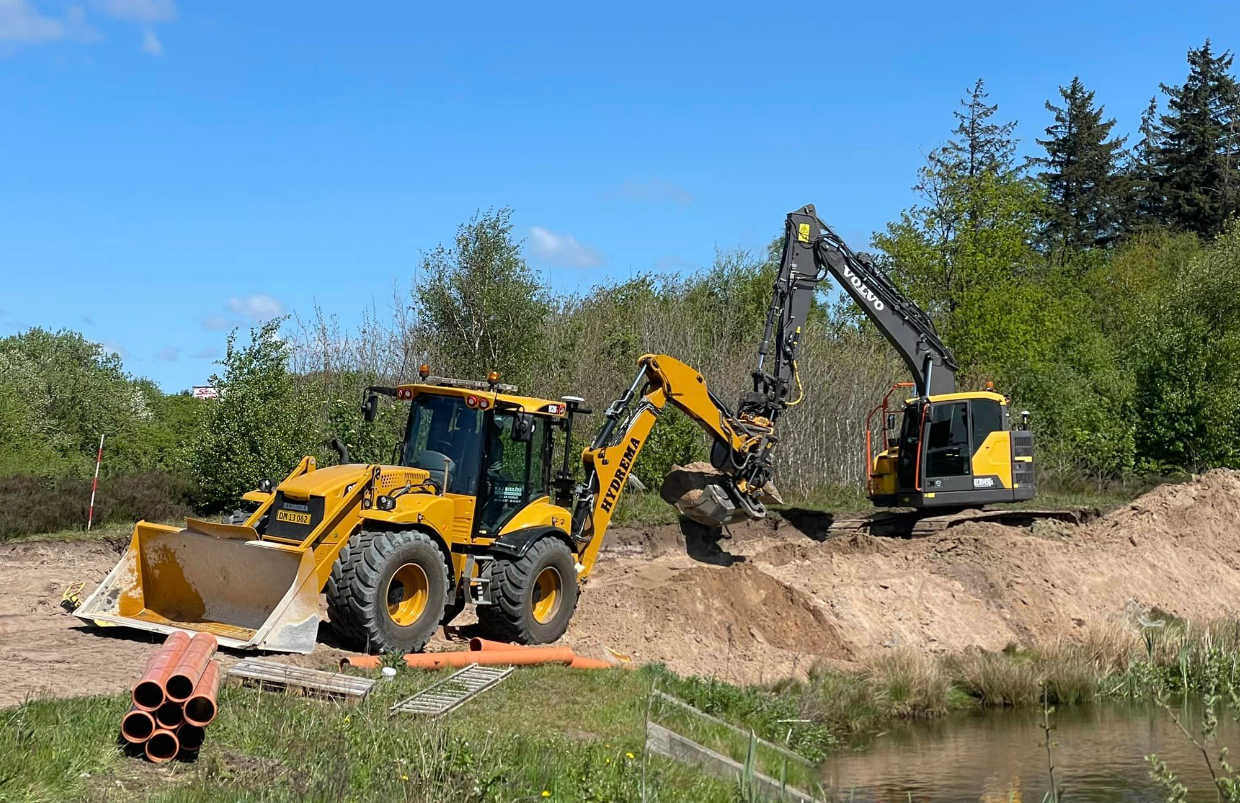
x=586, y=742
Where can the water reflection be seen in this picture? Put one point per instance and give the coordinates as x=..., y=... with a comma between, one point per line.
x=999, y=756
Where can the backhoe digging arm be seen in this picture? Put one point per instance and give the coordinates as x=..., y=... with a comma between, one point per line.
x=737, y=450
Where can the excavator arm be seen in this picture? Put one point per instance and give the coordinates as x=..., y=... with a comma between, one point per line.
x=812, y=249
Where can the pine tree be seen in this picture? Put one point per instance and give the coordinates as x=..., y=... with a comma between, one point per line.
x=956, y=176
x=1145, y=206
x=1082, y=178
x=1198, y=159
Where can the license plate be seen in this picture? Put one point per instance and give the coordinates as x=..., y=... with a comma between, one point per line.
x=292, y=516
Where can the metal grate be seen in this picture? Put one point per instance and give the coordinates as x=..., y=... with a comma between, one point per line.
x=317, y=682
x=450, y=693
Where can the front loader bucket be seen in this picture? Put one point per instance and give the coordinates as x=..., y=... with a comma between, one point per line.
x=216, y=578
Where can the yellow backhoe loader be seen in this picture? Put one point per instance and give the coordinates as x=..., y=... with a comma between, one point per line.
x=472, y=512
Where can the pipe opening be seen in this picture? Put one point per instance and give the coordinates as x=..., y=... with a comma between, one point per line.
x=148, y=695
x=162, y=746
x=200, y=711
x=137, y=726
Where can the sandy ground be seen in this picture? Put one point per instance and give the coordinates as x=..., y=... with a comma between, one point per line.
x=771, y=600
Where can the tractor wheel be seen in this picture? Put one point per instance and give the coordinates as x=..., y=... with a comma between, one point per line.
x=533, y=596
x=387, y=590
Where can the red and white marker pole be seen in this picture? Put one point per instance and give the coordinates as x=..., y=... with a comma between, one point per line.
x=94, y=486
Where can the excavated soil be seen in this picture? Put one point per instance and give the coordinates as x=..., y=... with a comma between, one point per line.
x=769, y=601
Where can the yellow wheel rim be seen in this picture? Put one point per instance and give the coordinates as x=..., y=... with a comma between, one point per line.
x=547, y=592
x=407, y=593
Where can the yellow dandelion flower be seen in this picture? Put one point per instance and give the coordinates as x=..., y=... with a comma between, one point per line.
x=629, y=755
x=546, y=793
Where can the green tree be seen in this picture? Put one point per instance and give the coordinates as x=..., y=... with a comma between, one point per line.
x=963, y=253
x=74, y=390
x=261, y=425
x=1084, y=186
x=1198, y=159
x=1145, y=203
x=481, y=301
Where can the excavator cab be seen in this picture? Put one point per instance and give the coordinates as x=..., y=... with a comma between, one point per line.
x=951, y=450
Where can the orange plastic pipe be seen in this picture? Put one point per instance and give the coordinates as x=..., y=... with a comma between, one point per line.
x=188, y=671
x=589, y=663
x=200, y=708
x=361, y=661
x=148, y=692
x=191, y=738
x=525, y=656
x=169, y=715
x=162, y=746
x=137, y=725
x=476, y=644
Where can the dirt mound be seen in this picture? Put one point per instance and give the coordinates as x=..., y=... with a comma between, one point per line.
x=1203, y=507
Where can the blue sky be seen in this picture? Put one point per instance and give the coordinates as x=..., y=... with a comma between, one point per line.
x=169, y=169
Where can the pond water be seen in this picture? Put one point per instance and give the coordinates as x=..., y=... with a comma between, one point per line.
x=999, y=755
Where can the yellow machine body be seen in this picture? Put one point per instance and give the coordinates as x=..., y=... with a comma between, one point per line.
x=952, y=450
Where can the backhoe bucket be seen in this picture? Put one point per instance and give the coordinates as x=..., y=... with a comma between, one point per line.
x=216, y=578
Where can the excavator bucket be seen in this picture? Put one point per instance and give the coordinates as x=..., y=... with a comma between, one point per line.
x=215, y=578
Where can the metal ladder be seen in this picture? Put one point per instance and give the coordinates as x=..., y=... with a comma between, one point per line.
x=448, y=694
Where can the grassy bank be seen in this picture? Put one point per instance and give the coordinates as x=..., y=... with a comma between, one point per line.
x=577, y=735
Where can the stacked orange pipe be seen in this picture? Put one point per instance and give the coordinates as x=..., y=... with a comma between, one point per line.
x=149, y=693
x=175, y=699
x=188, y=671
x=201, y=707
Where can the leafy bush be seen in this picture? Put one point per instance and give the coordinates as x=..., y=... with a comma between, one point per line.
x=31, y=504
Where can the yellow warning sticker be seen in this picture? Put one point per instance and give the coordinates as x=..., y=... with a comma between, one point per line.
x=803, y=232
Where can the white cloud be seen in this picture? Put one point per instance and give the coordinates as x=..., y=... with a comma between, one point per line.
x=215, y=323
x=151, y=44
x=112, y=347
x=139, y=10
x=168, y=354
x=209, y=353
x=654, y=191
x=256, y=307
x=20, y=21
x=562, y=249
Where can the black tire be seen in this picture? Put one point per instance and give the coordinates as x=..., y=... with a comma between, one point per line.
x=363, y=582
x=515, y=585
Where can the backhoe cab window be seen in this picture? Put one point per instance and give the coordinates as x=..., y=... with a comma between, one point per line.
x=515, y=471
x=445, y=438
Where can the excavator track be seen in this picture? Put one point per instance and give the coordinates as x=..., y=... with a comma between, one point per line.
x=923, y=523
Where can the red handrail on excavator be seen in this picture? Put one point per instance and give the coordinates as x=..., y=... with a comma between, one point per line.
x=883, y=407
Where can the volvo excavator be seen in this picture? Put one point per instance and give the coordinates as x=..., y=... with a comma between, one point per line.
x=471, y=510
x=950, y=449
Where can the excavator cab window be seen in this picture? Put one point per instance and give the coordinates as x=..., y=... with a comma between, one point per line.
x=516, y=468
x=947, y=440
x=987, y=418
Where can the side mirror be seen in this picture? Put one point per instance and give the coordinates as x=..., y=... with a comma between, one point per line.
x=370, y=408
x=891, y=421
x=523, y=426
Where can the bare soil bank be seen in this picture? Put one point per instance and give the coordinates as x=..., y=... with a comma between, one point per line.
x=769, y=601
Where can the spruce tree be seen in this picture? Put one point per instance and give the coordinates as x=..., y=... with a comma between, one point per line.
x=1198, y=159
x=1081, y=174
x=1145, y=207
